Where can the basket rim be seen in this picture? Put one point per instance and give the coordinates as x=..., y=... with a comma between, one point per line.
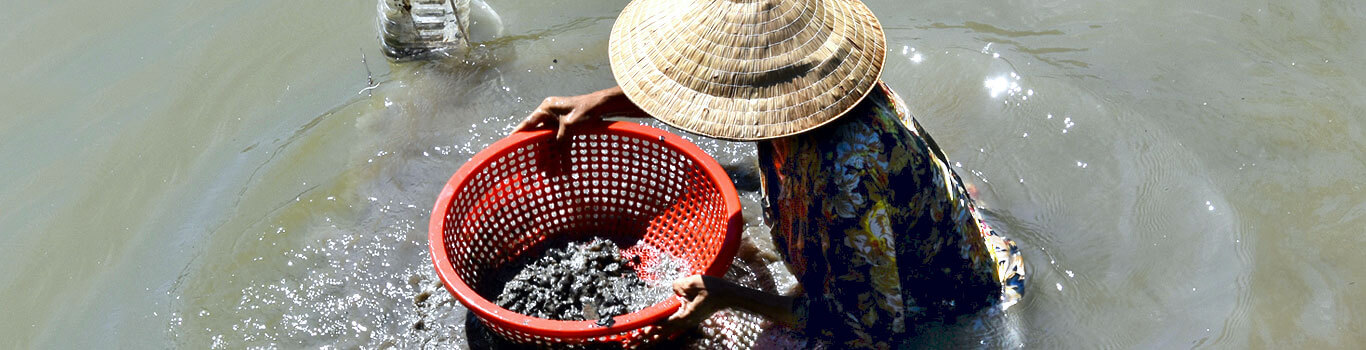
x=586, y=329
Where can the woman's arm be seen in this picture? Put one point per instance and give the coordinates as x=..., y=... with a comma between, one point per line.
x=706, y=294
x=565, y=112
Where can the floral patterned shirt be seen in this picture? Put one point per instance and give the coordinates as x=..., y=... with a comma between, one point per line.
x=878, y=229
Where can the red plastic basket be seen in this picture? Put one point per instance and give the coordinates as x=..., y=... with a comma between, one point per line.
x=620, y=179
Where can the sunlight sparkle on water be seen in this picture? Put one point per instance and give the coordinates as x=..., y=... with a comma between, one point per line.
x=1002, y=84
x=916, y=57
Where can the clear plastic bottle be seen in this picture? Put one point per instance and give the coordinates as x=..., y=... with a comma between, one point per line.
x=424, y=29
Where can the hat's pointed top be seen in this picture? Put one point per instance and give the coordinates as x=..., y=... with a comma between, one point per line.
x=746, y=69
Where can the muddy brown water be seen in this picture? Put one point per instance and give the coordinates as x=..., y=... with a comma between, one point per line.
x=215, y=174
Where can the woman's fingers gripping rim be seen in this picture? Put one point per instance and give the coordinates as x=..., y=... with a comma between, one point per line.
x=537, y=119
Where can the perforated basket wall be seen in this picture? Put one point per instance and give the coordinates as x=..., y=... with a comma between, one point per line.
x=620, y=179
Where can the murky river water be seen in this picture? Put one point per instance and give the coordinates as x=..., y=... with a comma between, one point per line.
x=216, y=174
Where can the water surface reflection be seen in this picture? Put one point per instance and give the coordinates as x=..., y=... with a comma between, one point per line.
x=207, y=174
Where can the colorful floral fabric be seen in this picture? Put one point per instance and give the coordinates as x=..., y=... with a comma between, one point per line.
x=878, y=229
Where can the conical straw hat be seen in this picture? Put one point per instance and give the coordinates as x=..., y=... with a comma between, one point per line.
x=746, y=69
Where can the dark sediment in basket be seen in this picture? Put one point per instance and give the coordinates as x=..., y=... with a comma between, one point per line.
x=575, y=281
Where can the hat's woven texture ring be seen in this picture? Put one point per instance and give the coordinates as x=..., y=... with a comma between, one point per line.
x=746, y=70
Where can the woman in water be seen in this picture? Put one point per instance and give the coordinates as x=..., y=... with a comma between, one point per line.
x=879, y=231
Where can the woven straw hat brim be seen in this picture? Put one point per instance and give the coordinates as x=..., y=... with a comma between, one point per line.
x=746, y=69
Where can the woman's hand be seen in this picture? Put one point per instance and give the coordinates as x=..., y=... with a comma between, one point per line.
x=565, y=112
x=703, y=296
